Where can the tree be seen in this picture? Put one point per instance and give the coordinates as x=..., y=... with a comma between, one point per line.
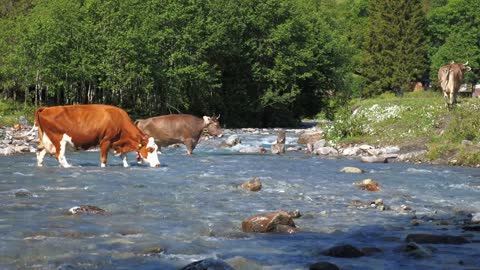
x=395, y=47
x=454, y=35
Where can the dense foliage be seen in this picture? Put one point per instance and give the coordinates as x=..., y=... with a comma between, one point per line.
x=257, y=63
x=395, y=50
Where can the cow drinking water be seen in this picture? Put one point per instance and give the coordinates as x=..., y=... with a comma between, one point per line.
x=450, y=78
x=85, y=126
x=179, y=128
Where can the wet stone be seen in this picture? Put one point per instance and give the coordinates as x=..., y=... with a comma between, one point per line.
x=23, y=193
x=208, y=264
x=436, y=239
x=351, y=170
x=415, y=250
x=368, y=184
x=344, y=251
x=323, y=266
x=280, y=222
x=86, y=209
x=253, y=184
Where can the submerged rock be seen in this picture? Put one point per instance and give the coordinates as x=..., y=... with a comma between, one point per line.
x=253, y=150
x=23, y=193
x=344, y=251
x=323, y=266
x=351, y=170
x=436, y=239
x=368, y=184
x=415, y=250
x=281, y=222
x=233, y=140
x=253, y=184
x=86, y=209
x=208, y=264
x=241, y=263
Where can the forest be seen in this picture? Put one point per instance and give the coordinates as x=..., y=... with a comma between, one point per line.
x=257, y=63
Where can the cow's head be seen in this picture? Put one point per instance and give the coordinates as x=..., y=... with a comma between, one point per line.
x=465, y=67
x=212, y=125
x=147, y=151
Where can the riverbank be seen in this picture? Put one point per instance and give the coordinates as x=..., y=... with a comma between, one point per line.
x=415, y=123
x=415, y=128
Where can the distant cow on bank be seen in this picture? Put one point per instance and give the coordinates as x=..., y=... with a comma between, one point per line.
x=179, y=128
x=450, y=78
x=85, y=126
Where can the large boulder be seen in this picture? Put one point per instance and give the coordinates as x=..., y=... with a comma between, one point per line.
x=279, y=221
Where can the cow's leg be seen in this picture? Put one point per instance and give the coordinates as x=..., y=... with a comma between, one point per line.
x=40, y=156
x=124, y=160
x=190, y=144
x=104, y=147
x=61, y=153
x=45, y=146
x=445, y=97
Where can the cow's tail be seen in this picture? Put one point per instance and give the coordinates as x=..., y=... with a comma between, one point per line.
x=40, y=131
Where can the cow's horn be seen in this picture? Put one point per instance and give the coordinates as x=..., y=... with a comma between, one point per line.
x=452, y=62
x=218, y=117
x=466, y=63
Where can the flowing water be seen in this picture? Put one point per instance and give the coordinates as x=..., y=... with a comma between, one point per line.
x=191, y=209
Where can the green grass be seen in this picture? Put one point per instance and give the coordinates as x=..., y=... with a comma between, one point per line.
x=414, y=121
x=10, y=111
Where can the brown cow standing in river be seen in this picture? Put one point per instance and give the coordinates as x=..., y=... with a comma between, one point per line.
x=450, y=78
x=85, y=126
x=179, y=128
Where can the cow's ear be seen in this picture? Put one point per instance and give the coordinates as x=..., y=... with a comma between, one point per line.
x=207, y=120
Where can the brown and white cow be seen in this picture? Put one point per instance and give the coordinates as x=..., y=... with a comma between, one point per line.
x=450, y=78
x=85, y=126
x=179, y=128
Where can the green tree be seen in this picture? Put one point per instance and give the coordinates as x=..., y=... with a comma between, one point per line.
x=395, y=48
x=454, y=35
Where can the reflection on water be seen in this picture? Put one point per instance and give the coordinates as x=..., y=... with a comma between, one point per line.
x=190, y=209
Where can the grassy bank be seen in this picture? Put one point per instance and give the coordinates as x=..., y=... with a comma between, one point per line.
x=10, y=111
x=416, y=121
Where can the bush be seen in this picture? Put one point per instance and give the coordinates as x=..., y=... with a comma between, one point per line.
x=10, y=111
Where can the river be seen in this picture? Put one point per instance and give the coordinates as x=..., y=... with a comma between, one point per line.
x=191, y=209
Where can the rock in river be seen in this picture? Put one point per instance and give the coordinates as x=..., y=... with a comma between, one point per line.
x=279, y=221
x=253, y=184
x=436, y=239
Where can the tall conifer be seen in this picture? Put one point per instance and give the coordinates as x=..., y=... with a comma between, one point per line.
x=395, y=47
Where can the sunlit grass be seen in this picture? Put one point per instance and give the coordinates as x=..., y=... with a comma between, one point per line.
x=418, y=120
